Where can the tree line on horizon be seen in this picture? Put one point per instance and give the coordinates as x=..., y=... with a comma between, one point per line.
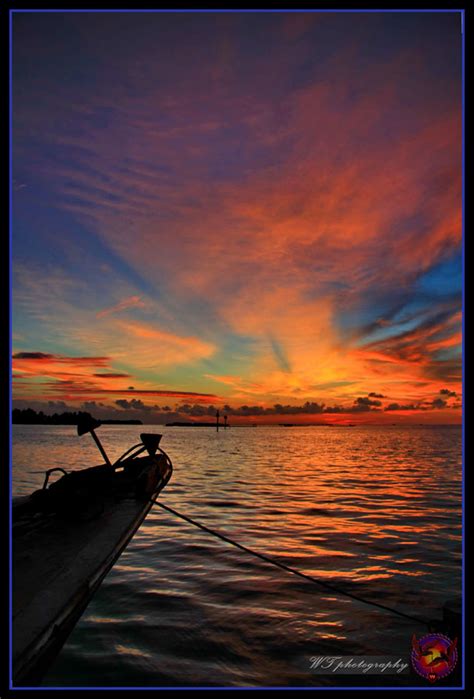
x=28, y=416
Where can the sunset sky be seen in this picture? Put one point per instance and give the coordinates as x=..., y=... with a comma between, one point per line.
x=260, y=212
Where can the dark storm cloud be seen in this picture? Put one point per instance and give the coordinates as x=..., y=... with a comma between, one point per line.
x=32, y=355
x=397, y=406
x=111, y=376
x=365, y=403
x=134, y=404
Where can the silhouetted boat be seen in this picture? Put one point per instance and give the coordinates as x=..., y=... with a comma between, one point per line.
x=65, y=539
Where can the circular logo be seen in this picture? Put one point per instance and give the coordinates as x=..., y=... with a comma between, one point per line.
x=434, y=656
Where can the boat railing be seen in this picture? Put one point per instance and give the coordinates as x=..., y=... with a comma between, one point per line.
x=140, y=447
x=49, y=472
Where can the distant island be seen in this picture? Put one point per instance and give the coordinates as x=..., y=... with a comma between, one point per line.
x=121, y=422
x=309, y=424
x=31, y=417
x=194, y=424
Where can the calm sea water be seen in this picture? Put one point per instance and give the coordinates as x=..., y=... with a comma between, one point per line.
x=374, y=510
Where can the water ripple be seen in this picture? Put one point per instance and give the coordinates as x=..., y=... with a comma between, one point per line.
x=375, y=510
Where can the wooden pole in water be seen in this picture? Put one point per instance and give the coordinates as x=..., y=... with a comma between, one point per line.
x=225, y=422
x=217, y=421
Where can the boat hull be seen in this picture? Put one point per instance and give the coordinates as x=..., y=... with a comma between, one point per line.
x=62, y=552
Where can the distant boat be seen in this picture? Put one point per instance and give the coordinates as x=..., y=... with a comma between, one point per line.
x=66, y=537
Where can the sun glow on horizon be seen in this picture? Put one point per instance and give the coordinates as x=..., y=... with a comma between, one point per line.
x=238, y=213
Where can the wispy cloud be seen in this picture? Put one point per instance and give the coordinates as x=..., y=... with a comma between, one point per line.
x=72, y=378
x=287, y=200
x=130, y=302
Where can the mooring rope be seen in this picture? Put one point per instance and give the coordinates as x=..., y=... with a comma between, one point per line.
x=289, y=569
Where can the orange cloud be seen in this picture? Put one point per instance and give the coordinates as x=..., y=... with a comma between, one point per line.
x=279, y=217
x=166, y=347
x=42, y=376
x=130, y=302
